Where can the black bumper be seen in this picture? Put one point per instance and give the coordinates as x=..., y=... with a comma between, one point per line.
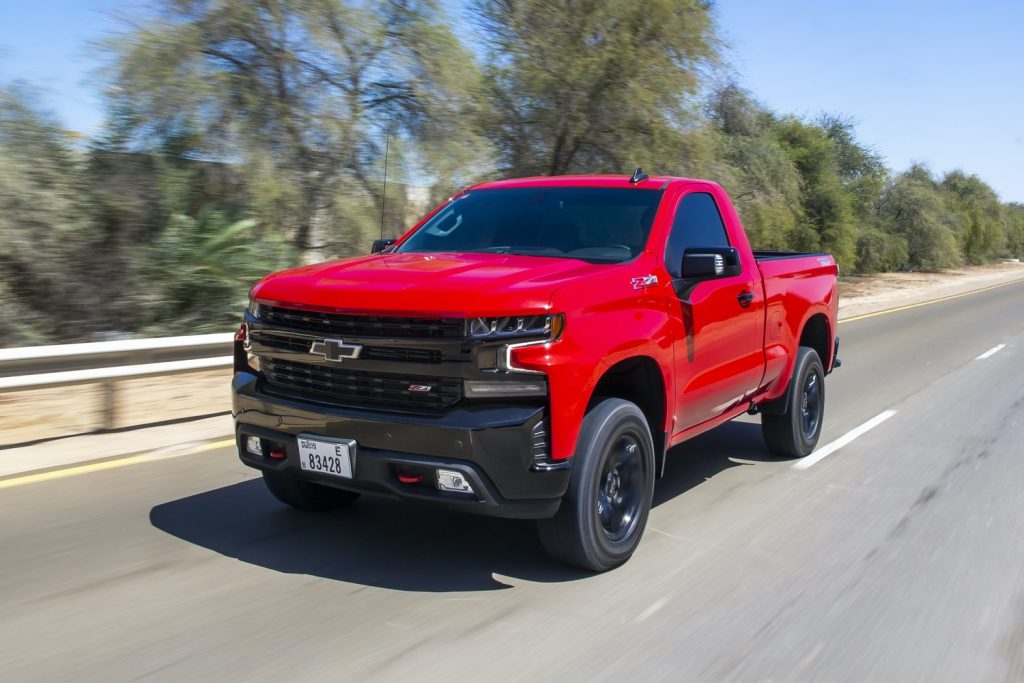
x=489, y=445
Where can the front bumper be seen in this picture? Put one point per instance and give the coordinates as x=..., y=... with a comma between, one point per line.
x=491, y=445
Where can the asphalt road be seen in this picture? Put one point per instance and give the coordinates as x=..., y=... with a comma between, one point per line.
x=896, y=558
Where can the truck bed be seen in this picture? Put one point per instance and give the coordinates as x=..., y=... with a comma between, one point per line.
x=775, y=254
x=792, y=281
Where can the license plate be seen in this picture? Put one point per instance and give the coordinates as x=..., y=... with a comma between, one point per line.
x=326, y=457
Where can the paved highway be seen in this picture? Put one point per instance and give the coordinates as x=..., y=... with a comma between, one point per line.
x=896, y=558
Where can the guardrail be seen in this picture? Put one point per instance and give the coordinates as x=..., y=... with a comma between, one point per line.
x=106, y=363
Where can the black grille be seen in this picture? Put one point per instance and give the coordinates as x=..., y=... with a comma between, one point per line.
x=335, y=386
x=363, y=325
x=400, y=354
x=286, y=342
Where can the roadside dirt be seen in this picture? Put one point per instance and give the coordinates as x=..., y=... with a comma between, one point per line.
x=52, y=413
x=863, y=295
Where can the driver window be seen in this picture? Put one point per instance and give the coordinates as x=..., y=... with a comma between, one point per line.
x=697, y=224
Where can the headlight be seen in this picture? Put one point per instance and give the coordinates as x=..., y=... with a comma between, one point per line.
x=549, y=326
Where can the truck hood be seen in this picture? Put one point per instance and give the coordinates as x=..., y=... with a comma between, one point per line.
x=435, y=284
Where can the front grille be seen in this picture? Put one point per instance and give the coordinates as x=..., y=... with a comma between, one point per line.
x=339, y=387
x=363, y=325
x=285, y=342
x=399, y=354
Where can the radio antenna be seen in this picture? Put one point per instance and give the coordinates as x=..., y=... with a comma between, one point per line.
x=384, y=193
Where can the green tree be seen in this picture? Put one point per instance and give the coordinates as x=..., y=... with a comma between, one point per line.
x=299, y=95
x=592, y=85
x=45, y=286
x=749, y=161
x=200, y=268
x=1014, y=216
x=828, y=220
x=980, y=218
x=861, y=171
x=913, y=209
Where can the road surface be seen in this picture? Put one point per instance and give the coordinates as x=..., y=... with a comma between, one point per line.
x=896, y=558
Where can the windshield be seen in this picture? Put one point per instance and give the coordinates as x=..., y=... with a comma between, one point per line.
x=605, y=225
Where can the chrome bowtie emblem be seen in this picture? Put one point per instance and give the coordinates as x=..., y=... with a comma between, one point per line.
x=645, y=281
x=335, y=350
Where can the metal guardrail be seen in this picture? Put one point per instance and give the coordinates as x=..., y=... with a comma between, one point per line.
x=106, y=363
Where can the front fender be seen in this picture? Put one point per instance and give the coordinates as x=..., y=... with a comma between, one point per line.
x=607, y=321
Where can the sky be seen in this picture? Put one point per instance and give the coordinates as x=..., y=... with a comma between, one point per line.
x=938, y=82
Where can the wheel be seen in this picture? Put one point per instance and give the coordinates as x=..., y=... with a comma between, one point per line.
x=305, y=495
x=603, y=514
x=795, y=432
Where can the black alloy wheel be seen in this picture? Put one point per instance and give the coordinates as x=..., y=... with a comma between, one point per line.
x=621, y=488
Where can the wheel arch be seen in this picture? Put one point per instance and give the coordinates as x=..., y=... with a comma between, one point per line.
x=816, y=333
x=641, y=380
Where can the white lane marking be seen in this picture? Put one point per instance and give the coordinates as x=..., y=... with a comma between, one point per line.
x=825, y=451
x=991, y=352
x=643, y=616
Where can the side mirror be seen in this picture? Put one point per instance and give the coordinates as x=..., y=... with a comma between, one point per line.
x=380, y=245
x=708, y=263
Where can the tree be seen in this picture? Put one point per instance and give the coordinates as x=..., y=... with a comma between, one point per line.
x=45, y=292
x=914, y=210
x=827, y=217
x=592, y=85
x=748, y=160
x=1014, y=213
x=981, y=223
x=300, y=94
x=200, y=269
x=861, y=171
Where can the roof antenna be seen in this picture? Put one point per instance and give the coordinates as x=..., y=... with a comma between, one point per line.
x=638, y=176
x=384, y=194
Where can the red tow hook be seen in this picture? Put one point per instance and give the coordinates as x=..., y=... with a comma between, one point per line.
x=277, y=453
x=410, y=478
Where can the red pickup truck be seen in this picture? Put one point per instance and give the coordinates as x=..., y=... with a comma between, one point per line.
x=533, y=348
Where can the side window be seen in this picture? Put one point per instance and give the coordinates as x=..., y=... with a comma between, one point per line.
x=697, y=224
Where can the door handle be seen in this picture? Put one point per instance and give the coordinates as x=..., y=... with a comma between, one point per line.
x=745, y=298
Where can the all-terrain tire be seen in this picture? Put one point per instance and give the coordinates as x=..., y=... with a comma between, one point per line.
x=795, y=432
x=603, y=514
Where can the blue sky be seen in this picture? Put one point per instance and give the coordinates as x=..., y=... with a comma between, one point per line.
x=939, y=82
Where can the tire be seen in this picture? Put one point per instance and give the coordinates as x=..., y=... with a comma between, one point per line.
x=305, y=495
x=795, y=433
x=603, y=513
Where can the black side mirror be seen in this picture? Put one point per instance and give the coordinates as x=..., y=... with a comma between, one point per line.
x=380, y=245
x=708, y=263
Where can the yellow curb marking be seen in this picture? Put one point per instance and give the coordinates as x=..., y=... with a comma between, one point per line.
x=928, y=303
x=75, y=470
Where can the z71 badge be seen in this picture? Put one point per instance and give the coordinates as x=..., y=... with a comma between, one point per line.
x=645, y=281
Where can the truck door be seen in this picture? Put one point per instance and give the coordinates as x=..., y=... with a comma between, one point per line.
x=718, y=358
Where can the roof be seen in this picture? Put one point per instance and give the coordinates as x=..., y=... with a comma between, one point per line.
x=594, y=180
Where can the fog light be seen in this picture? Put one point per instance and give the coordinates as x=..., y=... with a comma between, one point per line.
x=254, y=445
x=450, y=480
